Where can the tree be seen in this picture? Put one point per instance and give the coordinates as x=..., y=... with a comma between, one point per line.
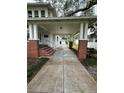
x=93, y=29
x=70, y=7
x=86, y=3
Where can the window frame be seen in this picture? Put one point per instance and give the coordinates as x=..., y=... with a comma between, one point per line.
x=35, y=13
x=29, y=15
x=42, y=13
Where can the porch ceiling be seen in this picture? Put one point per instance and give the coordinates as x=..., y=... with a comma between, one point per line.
x=61, y=28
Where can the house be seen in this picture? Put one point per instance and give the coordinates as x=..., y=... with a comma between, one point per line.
x=46, y=31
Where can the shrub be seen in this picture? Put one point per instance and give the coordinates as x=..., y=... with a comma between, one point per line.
x=92, y=50
x=90, y=62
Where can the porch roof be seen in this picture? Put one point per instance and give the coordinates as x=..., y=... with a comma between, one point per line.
x=89, y=19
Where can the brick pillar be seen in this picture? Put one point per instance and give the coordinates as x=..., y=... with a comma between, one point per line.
x=70, y=44
x=82, y=49
x=33, y=49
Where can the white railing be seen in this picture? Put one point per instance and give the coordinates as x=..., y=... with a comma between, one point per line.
x=48, y=42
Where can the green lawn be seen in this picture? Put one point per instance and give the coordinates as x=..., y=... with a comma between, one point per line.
x=90, y=61
x=34, y=68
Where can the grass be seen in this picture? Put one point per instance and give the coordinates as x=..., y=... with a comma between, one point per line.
x=91, y=59
x=90, y=62
x=34, y=68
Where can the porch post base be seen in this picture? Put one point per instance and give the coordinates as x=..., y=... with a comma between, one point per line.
x=33, y=48
x=82, y=49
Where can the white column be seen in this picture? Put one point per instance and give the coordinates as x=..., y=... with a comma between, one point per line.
x=35, y=31
x=39, y=13
x=33, y=15
x=30, y=32
x=81, y=31
x=46, y=12
x=86, y=31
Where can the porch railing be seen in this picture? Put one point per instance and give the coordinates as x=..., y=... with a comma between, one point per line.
x=48, y=42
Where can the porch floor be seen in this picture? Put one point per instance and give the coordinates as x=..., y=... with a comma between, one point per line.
x=63, y=73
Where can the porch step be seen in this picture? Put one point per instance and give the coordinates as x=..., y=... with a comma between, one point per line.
x=46, y=50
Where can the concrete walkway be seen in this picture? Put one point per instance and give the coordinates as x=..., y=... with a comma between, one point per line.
x=63, y=73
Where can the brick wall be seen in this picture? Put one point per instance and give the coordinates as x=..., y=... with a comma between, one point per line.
x=82, y=49
x=33, y=49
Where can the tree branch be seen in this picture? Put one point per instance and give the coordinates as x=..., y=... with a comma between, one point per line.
x=89, y=5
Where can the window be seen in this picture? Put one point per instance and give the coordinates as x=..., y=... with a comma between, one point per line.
x=42, y=13
x=29, y=13
x=36, y=13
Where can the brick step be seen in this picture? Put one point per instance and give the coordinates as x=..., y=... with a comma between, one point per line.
x=48, y=54
x=46, y=48
x=46, y=51
x=51, y=50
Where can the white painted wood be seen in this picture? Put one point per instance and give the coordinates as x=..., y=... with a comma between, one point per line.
x=33, y=14
x=39, y=13
x=35, y=31
x=46, y=12
x=86, y=31
x=30, y=32
x=81, y=31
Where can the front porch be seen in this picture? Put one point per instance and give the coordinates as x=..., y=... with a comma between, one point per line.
x=53, y=32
